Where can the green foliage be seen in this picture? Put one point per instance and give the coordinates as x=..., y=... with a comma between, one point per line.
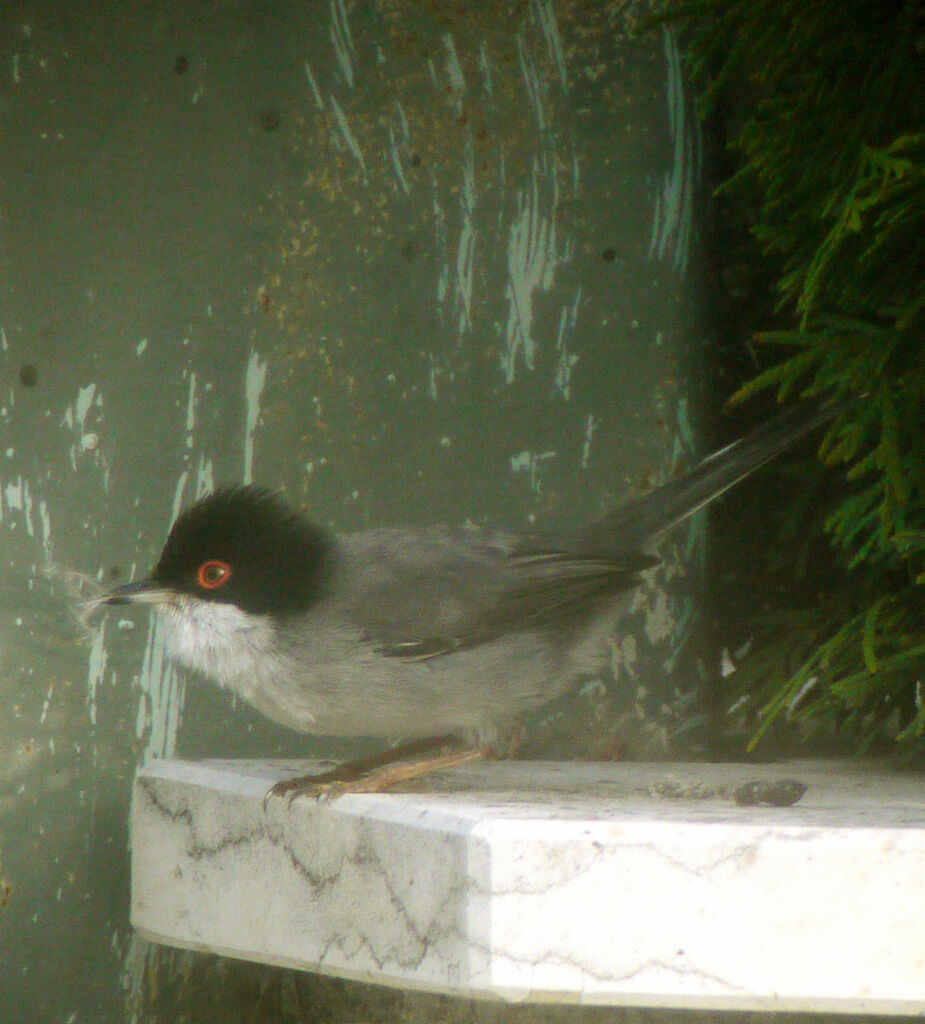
x=825, y=107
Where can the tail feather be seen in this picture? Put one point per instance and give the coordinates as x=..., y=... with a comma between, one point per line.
x=633, y=526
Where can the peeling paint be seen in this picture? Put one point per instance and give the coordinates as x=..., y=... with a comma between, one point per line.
x=17, y=496
x=254, y=381
x=485, y=66
x=342, y=40
x=160, y=703
x=674, y=202
x=567, y=359
x=178, y=496
x=546, y=16
x=465, y=250
x=87, y=443
x=191, y=410
x=531, y=463
x=82, y=405
x=454, y=72
x=590, y=428
x=403, y=122
x=205, y=482
x=399, y=143
x=532, y=82
x=396, y=161
x=349, y=138
x=624, y=656
x=313, y=85
x=532, y=262
x=96, y=669
x=439, y=221
x=46, y=703
x=46, y=529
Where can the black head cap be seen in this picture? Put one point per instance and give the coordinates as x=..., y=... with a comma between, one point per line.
x=246, y=546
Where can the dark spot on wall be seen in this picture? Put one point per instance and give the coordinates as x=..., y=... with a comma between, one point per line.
x=269, y=119
x=28, y=375
x=410, y=249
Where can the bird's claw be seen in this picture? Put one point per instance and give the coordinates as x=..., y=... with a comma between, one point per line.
x=289, y=789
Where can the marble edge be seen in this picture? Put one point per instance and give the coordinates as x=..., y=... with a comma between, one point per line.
x=232, y=778
x=499, y=804
x=852, y=1006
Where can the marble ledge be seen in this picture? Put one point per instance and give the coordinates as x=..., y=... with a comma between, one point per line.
x=627, y=884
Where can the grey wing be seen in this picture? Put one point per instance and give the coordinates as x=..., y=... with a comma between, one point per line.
x=423, y=593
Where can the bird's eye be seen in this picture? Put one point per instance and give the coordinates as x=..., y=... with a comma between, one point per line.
x=213, y=575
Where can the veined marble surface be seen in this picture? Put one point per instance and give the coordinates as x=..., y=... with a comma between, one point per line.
x=568, y=882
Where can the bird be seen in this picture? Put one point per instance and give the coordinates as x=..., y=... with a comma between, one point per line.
x=430, y=634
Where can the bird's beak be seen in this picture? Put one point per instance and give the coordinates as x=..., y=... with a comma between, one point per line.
x=139, y=592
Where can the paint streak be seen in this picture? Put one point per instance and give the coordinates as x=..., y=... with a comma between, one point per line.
x=399, y=143
x=533, y=84
x=567, y=359
x=46, y=530
x=254, y=381
x=443, y=275
x=485, y=66
x=454, y=73
x=160, y=704
x=590, y=429
x=17, y=497
x=403, y=122
x=674, y=202
x=465, y=250
x=178, y=496
x=342, y=40
x=46, y=704
x=191, y=410
x=82, y=405
x=96, y=669
x=86, y=442
x=205, y=482
x=348, y=136
x=440, y=372
x=396, y=161
x=313, y=85
x=546, y=16
x=532, y=261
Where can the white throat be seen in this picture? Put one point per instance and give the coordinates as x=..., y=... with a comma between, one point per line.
x=231, y=646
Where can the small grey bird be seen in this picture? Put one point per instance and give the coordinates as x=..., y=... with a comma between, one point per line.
x=411, y=632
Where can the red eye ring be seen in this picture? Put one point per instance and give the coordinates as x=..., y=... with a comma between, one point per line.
x=213, y=574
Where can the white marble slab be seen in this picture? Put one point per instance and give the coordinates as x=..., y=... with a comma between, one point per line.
x=587, y=883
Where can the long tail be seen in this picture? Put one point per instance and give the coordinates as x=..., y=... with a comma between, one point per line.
x=641, y=520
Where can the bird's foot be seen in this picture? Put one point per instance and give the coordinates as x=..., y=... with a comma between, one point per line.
x=376, y=774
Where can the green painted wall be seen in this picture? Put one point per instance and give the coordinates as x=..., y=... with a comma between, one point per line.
x=407, y=261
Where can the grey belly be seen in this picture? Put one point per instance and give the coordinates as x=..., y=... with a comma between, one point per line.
x=480, y=691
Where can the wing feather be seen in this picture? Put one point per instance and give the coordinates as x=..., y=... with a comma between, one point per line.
x=429, y=593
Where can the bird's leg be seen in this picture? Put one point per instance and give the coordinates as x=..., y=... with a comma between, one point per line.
x=402, y=763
